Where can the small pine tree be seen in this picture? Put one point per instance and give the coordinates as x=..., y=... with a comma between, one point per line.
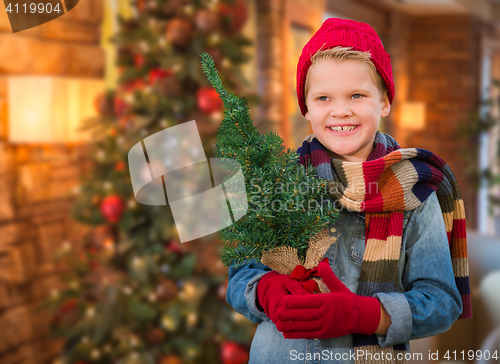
x=287, y=203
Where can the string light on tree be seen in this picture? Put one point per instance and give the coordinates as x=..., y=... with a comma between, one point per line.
x=75, y=190
x=168, y=323
x=95, y=354
x=191, y=319
x=90, y=312
x=214, y=39
x=66, y=247
x=152, y=297
x=188, y=9
x=138, y=263
x=134, y=341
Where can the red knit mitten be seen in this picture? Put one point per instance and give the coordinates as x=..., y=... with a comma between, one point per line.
x=328, y=315
x=272, y=287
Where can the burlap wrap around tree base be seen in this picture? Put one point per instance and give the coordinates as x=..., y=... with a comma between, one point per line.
x=284, y=259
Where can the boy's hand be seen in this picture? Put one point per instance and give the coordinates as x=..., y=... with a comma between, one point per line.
x=272, y=287
x=328, y=315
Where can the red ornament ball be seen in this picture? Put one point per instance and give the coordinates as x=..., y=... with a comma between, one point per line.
x=165, y=290
x=179, y=32
x=141, y=5
x=158, y=74
x=139, y=60
x=131, y=86
x=208, y=100
x=69, y=305
x=165, y=81
x=206, y=21
x=171, y=359
x=175, y=247
x=119, y=166
x=234, y=15
x=233, y=353
x=103, y=104
x=120, y=106
x=170, y=87
x=156, y=337
x=67, y=315
x=173, y=7
x=112, y=208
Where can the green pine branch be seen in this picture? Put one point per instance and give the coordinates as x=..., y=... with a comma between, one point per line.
x=287, y=203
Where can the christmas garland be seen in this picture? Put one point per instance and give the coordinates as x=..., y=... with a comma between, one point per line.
x=288, y=205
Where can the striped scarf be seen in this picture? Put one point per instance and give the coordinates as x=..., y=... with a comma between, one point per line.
x=390, y=181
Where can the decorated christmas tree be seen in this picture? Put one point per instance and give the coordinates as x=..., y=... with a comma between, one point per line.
x=288, y=207
x=133, y=293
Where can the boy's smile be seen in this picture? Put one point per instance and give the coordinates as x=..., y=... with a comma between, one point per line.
x=344, y=108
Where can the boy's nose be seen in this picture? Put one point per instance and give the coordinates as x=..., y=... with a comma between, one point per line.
x=340, y=111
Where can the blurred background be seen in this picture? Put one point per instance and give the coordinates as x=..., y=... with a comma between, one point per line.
x=88, y=275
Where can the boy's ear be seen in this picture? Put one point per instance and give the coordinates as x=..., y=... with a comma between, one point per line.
x=306, y=115
x=386, y=105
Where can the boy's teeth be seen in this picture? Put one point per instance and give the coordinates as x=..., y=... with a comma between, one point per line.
x=343, y=128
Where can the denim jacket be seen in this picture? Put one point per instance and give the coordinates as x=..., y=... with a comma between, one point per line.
x=428, y=302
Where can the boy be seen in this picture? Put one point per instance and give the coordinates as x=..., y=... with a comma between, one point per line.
x=394, y=279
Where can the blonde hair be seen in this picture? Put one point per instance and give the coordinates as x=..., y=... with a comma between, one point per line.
x=343, y=54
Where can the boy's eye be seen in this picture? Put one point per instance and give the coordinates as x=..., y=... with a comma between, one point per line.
x=322, y=98
x=357, y=95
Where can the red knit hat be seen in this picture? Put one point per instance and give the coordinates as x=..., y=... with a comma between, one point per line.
x=346, y=33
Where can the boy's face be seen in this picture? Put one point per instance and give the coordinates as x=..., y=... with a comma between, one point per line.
x=344, y=94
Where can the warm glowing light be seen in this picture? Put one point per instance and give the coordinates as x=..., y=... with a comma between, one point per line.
x=47, y=109
x=412, y=115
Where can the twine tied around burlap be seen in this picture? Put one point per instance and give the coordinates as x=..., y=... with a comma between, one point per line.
x=284, y=259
